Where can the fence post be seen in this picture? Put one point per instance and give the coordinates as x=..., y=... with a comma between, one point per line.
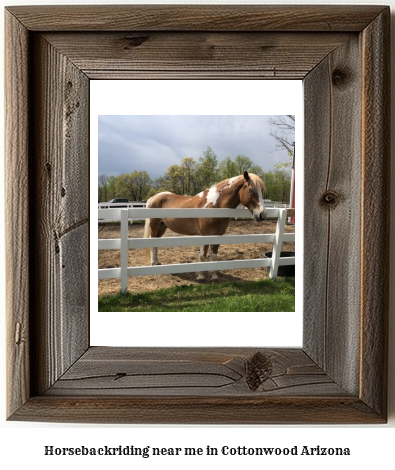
x=124, y=250
x=278, y=241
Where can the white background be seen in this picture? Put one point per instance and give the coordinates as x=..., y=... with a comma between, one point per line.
x=22, y=444
x=204, y=97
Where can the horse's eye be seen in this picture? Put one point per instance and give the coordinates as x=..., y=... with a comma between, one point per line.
x=250, y=190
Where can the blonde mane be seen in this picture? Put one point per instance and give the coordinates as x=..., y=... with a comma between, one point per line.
x=256, y=182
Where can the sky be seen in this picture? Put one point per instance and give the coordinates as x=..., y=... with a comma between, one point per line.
x=154, y=142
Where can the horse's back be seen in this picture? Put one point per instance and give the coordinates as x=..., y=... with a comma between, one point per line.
x=202, y=226
x=168, y=200
x=159, y=200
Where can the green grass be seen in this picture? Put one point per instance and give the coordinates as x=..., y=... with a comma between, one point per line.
x=247, y=296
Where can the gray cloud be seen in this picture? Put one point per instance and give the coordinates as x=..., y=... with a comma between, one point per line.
x=153, y=143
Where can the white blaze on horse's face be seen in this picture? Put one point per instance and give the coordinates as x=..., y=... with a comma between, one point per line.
x=261, y=212
x=251, y=196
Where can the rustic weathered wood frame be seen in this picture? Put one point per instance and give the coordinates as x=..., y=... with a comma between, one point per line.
x=340, y=374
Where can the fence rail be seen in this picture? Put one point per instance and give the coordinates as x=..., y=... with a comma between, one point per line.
x=122, y=205
x=125, y=243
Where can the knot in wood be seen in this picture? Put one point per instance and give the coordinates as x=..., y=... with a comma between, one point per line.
x=330, y=199
x=135, y=41
x=339, y=77
x=259, y=369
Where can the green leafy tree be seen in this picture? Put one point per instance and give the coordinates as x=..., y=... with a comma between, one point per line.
x=278, y=185
x=207, y=168
x=124, y=186
x=111, y=181
x=189, y=177
x=256, y=169
x=243, y=163
x=158, y=185
x=103, y=188
x=133, y=186
x=227, y=169
x=141, y=185
x=173, y=179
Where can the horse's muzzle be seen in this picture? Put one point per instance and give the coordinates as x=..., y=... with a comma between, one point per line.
x=260, y=216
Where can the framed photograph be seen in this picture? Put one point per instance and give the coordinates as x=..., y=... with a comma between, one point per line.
x=339, y=375
x=167, y=145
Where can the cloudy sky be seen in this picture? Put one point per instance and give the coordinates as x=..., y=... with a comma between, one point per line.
x=154, y=142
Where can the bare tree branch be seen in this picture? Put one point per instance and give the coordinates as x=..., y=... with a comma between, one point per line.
x=285, y=133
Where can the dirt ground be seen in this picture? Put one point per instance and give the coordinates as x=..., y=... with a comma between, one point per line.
x=189, y=254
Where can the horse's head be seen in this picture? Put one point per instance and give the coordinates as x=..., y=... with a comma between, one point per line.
x=251, y=196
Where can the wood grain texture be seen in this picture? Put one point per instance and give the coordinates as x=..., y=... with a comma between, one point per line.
x=60, y=247
x=194, y=386
x=17, y=212
x=375, y=211
x=332, y=214
x=317, y=112
x=196, y=54
x=339, y=376
x=196, y=17
x=188, y=372
x=198, y=410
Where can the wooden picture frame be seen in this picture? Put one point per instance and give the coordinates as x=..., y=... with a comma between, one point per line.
x=340, y=374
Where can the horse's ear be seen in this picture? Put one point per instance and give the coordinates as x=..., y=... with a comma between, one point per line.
x=246, y=175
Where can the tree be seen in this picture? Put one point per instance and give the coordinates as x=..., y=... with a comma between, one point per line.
x=158, y=185
x=124, y=186
x=111, y=181
x=243, y=163
x=227, y=169
x=207, y=168
x=103, y=188
x=133, y=186
x=284, y=135
x=278, y=185
x=180, y=179
x=256, y=169
x=189, y=177
x=173, y=180
x=141, y=185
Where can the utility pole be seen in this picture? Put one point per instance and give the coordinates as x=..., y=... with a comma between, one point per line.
x=291, y=220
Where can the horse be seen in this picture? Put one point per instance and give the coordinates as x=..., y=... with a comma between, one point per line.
x=243, y=190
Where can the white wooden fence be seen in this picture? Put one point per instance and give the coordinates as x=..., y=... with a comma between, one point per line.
x=124, y=243
x=118, y=205
x=122, y=205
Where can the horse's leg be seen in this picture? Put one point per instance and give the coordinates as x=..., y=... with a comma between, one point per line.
x=158, y=228
x=202, y=259
x=154, y=251
x=213, y=257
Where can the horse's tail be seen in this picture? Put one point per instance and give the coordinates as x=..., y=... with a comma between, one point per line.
x=147, y=228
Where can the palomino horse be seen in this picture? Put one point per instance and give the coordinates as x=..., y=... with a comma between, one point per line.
x=245, y=190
